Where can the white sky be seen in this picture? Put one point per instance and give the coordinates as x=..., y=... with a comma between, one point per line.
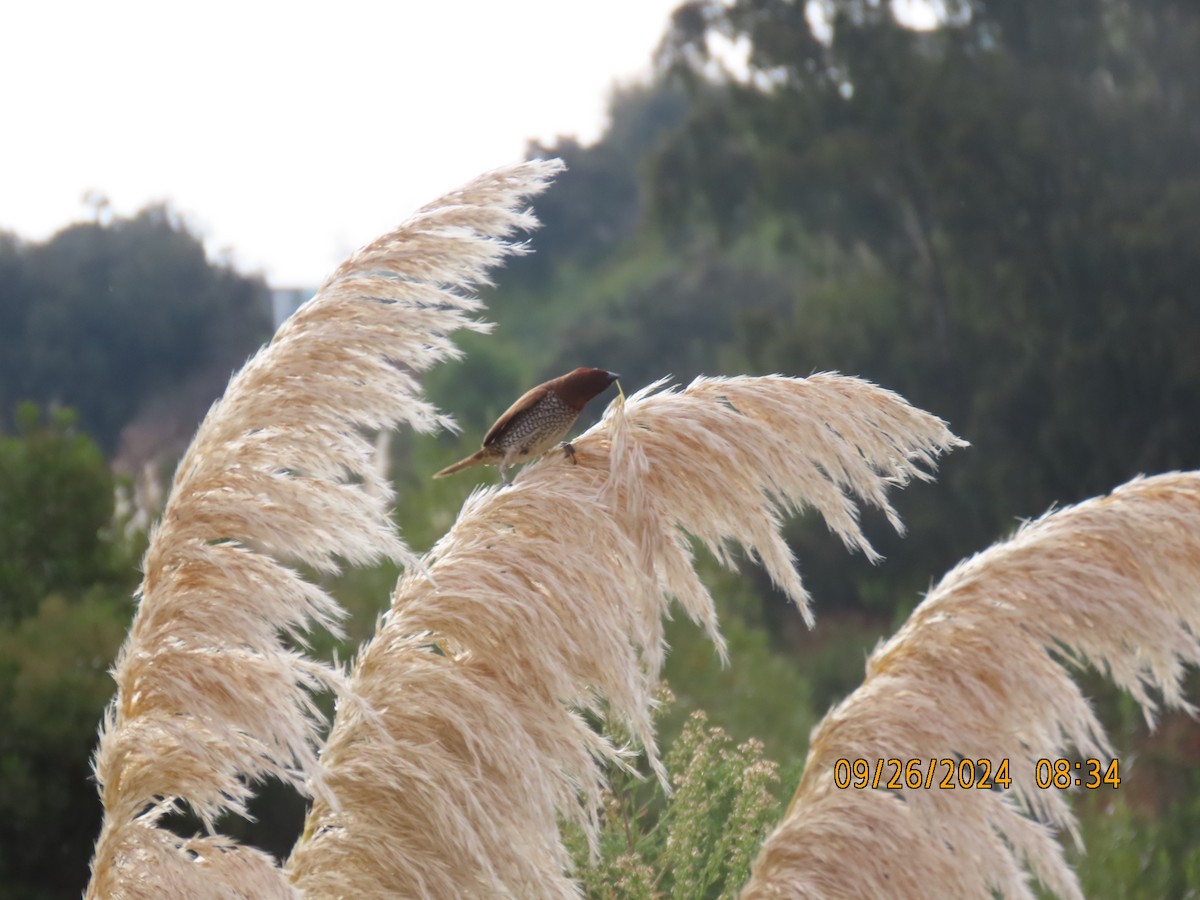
x=290, y=133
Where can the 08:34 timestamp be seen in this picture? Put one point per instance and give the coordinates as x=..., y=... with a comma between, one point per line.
x=1087, y=773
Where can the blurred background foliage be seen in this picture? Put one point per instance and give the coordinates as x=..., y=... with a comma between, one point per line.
x=998, y=218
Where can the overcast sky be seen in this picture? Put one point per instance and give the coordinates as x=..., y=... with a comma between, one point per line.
x=289, y=136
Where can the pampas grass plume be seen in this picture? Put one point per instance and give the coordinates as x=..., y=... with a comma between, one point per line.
x=282, y=471
x=543, y=608
x=981, y=670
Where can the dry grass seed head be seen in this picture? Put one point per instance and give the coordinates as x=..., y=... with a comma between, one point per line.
x=979, y=672
x=547, y=598
x=282, y=470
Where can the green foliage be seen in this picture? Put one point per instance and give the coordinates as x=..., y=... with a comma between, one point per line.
x=698, y=843
x=54, y=683
x=994, y=219
x=1136, y=856
x=13, y=287
x=762, y=693
x=66, y=578
x=596, y=204
x=723, y=807
x=57, y=496
x=104, y=316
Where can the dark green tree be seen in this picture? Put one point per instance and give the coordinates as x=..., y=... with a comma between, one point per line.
x=997, y=217
x=54, y=683
x=57, y=497
x=105, y=315
x=14, y=308
x=66, y=579
x=597, y=204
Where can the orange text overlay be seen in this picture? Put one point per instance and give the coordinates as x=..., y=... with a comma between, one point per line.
x=984, y=774
x=943, y=774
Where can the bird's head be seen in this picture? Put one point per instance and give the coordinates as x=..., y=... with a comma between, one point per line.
x=578, y=387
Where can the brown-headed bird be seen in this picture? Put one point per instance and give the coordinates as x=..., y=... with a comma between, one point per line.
x=536, y=422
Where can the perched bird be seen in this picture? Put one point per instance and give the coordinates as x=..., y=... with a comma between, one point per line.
x=536, y=422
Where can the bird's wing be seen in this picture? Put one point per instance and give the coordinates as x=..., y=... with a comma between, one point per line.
x=524, y=402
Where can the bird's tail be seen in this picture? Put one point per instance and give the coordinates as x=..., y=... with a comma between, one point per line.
x=473, y=460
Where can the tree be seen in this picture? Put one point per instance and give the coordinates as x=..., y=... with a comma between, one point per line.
x=105, y=315
x=998, y=214
x=54, y=683
x=598, y=203
x=14, y=307
x=65, y=586
x=57, y=496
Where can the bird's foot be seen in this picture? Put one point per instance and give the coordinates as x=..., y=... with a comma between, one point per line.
x=569, y=452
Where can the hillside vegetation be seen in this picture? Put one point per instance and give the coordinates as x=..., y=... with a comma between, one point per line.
x=997, y=218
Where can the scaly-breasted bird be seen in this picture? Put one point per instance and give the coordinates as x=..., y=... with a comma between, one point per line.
x=536, y=422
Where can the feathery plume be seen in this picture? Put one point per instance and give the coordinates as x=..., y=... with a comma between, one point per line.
x=980, y=672
x=543, y=606
x=209, y=699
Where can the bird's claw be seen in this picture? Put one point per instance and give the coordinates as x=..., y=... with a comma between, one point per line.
x=569, y=452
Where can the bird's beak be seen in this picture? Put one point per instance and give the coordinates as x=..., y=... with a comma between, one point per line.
x=612, y=376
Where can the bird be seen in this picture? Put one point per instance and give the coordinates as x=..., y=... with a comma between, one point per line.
x=538, y=420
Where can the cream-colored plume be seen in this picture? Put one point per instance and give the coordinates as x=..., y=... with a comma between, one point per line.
x=282, y=471
x=977, y=673
x=544, y=605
